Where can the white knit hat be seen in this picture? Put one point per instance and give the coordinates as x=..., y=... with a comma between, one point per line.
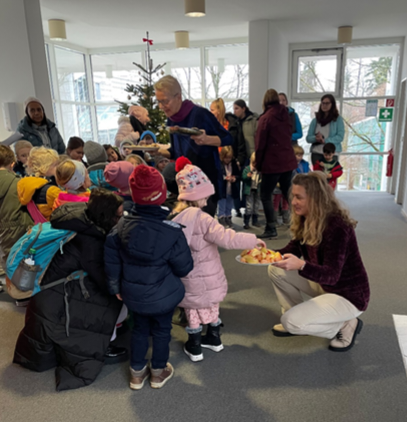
x=32, y=100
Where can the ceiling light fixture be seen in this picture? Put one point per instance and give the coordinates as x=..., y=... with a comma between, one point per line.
x=345, y=34
x=57, y=31
x=181, y=40
x=195, y=8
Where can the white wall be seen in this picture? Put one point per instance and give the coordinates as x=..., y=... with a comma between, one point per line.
x=22, y=57
x=278, y=58
x=258, y=62
x=268, y=61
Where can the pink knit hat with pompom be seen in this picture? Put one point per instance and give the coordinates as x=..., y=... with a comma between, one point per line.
x=193, y=183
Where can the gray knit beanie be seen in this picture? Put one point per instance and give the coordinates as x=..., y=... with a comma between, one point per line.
x=95, y=153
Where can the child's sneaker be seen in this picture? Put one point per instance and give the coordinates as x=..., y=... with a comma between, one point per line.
x=192, y=347
x=212, y=339
x=160, y=376
x=138, y=377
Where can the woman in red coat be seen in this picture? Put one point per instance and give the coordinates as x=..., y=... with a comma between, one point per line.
x=275, y=158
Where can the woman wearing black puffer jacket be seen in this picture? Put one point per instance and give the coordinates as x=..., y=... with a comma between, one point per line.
x=43, y=343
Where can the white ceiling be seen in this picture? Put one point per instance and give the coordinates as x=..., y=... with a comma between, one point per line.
x=113, y=23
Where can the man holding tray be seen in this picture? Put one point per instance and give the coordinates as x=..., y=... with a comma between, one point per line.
x=201, y=150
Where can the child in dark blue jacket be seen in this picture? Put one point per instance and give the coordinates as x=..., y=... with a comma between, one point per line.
x=145, y=257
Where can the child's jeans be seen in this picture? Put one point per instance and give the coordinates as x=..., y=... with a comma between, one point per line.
x=225, y=206
x=276, y=202
x=253, y=203
x=159, y=327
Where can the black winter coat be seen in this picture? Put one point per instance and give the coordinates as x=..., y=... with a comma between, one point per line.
x=235, y=185
x=239, y=145
x=145, y=256
x=43, y=342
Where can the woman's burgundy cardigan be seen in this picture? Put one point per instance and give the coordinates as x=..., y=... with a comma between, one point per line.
x=335, y=263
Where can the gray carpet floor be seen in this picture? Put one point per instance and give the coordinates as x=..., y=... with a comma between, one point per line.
x=257, y=377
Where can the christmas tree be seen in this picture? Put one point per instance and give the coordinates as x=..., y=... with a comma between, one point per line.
x=145, y=95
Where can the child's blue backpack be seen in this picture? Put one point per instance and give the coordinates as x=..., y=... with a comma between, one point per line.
x=40, y=243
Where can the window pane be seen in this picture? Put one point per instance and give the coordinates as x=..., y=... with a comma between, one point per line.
x=185, y=66
x=49, y=71
x=72, y=81
x=111, y=74
x=362, y=172
x=77, y=121
x=227, y=72
x=107, y=123
x=317, y=74
x=364, y=134
x=371, y=70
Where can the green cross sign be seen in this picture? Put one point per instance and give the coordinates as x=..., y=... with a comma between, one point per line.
x=386, y=114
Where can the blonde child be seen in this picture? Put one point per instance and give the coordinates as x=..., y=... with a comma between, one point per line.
x=22, y=150
x=230, y=186
x=206, y=284
x=73, y=178
x=303, y=166
x=40, y=187
x=251, y=188
x=135, y=159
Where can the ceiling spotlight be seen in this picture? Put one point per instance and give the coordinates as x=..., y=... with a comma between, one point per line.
x=181, y=40
x=195, y=8
x=57, y=31
x=345, y=34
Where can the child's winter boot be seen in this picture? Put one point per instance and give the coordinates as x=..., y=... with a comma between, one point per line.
x=255, y=221
x=212, y=338
x=193, y=347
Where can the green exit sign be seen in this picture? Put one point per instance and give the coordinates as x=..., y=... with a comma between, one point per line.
x=386, y=114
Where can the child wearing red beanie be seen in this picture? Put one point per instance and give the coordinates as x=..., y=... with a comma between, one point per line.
x=145, y=256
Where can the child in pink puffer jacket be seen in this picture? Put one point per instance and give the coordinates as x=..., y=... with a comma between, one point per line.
x=206, y=285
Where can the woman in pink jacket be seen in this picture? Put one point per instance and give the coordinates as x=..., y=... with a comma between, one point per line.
x=206, y=285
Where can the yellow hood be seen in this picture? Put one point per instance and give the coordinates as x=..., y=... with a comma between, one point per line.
x=26, y=188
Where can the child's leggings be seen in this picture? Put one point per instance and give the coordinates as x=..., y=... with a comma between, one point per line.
x=276, y=202
x=202, y=316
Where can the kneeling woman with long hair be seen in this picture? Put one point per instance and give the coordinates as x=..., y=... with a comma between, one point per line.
x=322, y=261
x=43, y=343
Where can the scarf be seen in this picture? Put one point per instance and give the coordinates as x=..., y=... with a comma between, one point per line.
x=325, y=120
x=183, y=112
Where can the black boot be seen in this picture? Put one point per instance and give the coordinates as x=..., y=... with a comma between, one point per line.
x=229, y=223
x=222, y=220
x=211, y=340
x=269, y=233
x=193, y=347
x=255, y=221
x=246, y=221
x=115, y=354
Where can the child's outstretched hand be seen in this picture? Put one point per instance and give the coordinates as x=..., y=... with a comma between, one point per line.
x=260, y=244
x=119, y=296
